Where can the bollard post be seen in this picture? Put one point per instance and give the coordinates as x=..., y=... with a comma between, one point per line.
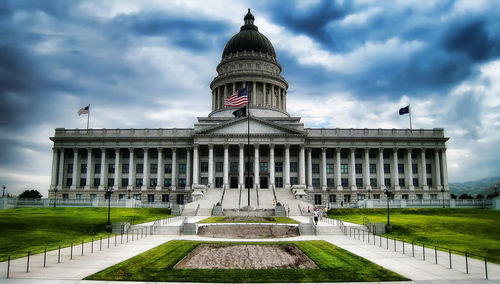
x=127, y=236
x=115, y=240
x=380, y=241
x=423, y=249
x=8, y=267
x=45, y=257
x=121, y=238
x=350, y=234
x=486, y=268
x=403, y=246
x=412, y=249
x=436, y=254
x=71, y=254
x=100, y=244
x=387, y=242
x=59, y=255
x=363, y=236
x=394, y=244
x=82, y=247
x=28, y=263
x=466, y=263
x=108, y=240
x=92, y=247
x=449, y=253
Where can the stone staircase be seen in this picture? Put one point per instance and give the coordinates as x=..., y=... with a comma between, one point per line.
x=206, y=203
x=287, y=199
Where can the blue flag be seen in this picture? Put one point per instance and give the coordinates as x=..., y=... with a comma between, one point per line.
x=404, y=110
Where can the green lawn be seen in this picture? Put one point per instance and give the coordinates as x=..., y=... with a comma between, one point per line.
x=472, y=230
x=33, y=229
x=282, y=220
x=335, y=265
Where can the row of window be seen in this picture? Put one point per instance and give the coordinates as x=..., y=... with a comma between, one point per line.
x=165, y=198
x=347, y=197
x=124, y=182
x=139, y=168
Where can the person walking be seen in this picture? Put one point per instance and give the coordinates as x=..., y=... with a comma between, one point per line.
x=316, y=216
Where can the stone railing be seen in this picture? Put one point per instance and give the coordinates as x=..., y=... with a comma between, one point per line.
x=365, y=133
x=145, y=132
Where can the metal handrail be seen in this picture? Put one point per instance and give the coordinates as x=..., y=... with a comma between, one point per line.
x=197, y=209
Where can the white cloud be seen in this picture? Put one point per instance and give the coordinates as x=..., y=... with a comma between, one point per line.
x=358, y=19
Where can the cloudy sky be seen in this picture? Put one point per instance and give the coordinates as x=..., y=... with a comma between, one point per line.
x=350, y=64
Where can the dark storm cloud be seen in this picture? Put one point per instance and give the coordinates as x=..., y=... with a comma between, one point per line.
x=471, y=39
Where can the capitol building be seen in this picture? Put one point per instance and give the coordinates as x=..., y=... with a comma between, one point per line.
x=320, y=166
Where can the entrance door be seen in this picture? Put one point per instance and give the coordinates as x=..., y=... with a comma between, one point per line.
x=233, y=182
x=263, y=182
x=248, y=182
x=180, y=199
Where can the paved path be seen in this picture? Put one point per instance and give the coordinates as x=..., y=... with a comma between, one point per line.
x=71, y=271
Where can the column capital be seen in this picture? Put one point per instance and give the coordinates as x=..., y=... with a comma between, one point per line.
x=338, y=149
x=146, y=149
x=443, y=149
x=226, y=146
x=195, y=146
x=423, y=150
x=409, y=150
x=256, y=146
x=302, y=146
x=242, y=145
x=210, y=145
x=367, y=149
x=159, y=149
x=103, y=149
x=353, y=149
x=381, y=150
x=395, y=150
x=287, y=146
x=173, y=149
x=271, y=146
x=323, y=149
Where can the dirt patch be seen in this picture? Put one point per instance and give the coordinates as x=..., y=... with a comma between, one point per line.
x=246, y=219
x=210, y=256
x=245, y=231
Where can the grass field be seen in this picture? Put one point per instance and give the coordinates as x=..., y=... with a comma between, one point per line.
x=32, y=229
x=335, y=265
x=283, y=220
x=472, y=230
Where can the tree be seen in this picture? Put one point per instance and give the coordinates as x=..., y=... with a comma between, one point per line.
x=466, y=196
x=30, y=193
x=479, y=196
x=453, y=196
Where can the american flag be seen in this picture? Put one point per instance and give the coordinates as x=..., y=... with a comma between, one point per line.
x=239, y=98
x=84, y=110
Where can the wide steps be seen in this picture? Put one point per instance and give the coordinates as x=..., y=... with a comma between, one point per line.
x=168, y=230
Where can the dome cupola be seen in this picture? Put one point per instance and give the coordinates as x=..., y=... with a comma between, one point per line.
x=249, y=61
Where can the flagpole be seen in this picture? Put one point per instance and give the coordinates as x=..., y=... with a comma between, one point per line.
x=88, y=118
x=248, y=153
x=409, y=112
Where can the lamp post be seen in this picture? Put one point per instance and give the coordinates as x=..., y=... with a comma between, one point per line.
x=129, y=190
x=369, y=191
x=442, y=194
x=495, y=187
x=109, y=191
x=55, y=196
x=388, y=193
x=4, y=187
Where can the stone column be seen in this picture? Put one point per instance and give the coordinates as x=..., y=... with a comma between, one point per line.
x=160, y=174
x=254, y=93
x=395, y=170
x=444, y=170
x=131, y=169
x=241, y=165
x=118, y=170
x=271, y=166
x=381, y=172
x=196, y=165
x=174, y=168
x=302, y=165
x=60, y=183
x=437, y=170
x=90, y=169
x=423, y=170
x=188, y=168
x=309, y=169
x=226, y=166
x=287, y=166
x=104, y=172
x=338, y=175
x=53, y=177
x=210, y=165
x=352, y=169
x=409, y=174
x=234, y=87
x=256, y=166
x=366, y=173
x=75, y=182
x=225, y=93
x=145, y=170
x=323, y=169
x=213, y=100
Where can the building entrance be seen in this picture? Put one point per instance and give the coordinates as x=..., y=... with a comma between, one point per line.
x=248, y=182
x=263, y=182
x=233, y=182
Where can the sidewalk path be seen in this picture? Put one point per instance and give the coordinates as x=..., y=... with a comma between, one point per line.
x=71, y=271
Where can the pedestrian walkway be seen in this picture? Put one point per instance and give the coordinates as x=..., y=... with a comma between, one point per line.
x=73, y=270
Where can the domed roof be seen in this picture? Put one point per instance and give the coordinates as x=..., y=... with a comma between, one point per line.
x=249, y=39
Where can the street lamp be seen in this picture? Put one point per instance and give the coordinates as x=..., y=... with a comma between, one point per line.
x=4, y=187
x=55, y=196
x=369, y=191
x=442, y=193
x=129, y=190
x=388, y=193
x=109, y=191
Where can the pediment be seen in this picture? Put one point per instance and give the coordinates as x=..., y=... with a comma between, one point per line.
x=239, y=126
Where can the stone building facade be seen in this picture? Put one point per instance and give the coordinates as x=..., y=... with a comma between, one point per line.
x=320, y=165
